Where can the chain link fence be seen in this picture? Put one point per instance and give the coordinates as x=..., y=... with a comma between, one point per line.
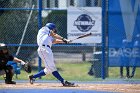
x=20, y=22
x=19, y=28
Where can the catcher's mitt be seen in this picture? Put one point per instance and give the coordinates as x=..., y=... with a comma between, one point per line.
x=27, y=67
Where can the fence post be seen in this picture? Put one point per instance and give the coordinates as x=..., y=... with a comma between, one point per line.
x=39, y=27
x=103, y=38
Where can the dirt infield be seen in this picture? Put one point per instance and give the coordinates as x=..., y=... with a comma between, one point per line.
x=125, y=88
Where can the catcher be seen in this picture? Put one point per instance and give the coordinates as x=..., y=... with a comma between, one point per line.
x=5, y=56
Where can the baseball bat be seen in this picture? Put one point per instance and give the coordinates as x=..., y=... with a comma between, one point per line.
x=82, y=36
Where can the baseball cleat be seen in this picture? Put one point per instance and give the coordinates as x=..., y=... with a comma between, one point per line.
x=31, y=79
x=68, y=84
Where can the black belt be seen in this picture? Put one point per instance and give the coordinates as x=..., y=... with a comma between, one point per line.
x=47, y=46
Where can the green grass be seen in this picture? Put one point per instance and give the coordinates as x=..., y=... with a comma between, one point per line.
x=72, y=71
x=76, y=72
x=69, y=71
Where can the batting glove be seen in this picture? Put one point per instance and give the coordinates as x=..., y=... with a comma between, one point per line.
x=66, y=40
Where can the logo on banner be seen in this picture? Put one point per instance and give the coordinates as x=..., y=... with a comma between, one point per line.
x=84, y=23
x=129, y=15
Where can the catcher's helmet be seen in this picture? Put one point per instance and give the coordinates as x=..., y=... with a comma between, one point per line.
x=3, y=46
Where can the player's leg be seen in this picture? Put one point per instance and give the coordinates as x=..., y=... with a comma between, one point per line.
x=127, y=72
x=60, y=78
x=39, y=74
x=45, y=55
x=50, y=65
x=121, y=72
x=134, y=68
x=50, y=68
x=56, y=74
x=9, y=74
x=33, y=77
x=133, y=71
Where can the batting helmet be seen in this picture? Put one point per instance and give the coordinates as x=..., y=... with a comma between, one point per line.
x=51, y=26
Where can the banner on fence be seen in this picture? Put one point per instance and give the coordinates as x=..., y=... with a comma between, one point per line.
x=82, y=21
x=124, y=32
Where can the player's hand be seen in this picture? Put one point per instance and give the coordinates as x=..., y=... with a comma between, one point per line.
x=66, y=40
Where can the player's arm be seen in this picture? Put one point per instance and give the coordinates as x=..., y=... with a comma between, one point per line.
x=58, y=38
x=26, y=65
x=15, y=59
x=57, y=41
x=18, y=60
x=55, y=35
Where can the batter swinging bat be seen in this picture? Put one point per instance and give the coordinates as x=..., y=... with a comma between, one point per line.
x=82, y=36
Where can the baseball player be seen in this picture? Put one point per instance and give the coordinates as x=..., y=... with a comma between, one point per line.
x=125, y=60
x=5, y=56
x=47, y=36
x=136, y=45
